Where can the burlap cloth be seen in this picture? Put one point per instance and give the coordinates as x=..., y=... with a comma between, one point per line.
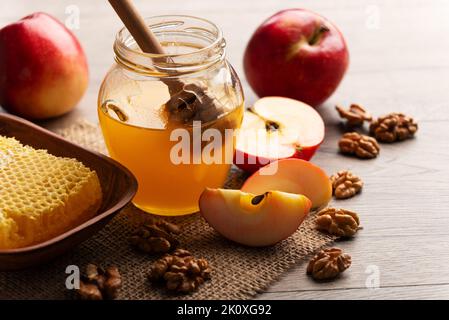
x=238, y=272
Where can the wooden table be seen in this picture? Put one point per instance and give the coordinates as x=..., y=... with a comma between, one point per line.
x=399, y=62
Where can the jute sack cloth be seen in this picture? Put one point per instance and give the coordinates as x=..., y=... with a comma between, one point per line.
x=238, y=272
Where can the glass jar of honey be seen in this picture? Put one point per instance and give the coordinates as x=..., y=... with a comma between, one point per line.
x=171, y=118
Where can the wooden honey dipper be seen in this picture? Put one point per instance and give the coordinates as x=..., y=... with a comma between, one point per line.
x=188, y=102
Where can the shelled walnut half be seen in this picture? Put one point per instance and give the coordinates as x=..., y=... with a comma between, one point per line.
x=356, y=115
x=157, y=236
x=99, y=284
x=180, y=271
x=338, y=222
x=345, y=184
x=393, y=127
x=361, y=146
x=328, y=264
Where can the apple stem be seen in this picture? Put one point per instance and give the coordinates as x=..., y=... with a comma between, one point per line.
x=317, y=34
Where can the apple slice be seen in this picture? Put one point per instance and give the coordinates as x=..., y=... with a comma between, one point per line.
x=257, y=221
x=293, y=176
x=277, y=128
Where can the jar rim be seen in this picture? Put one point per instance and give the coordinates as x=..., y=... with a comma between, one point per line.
x=124, y=35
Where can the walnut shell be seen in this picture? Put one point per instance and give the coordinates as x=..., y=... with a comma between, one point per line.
x=99, y=283
x=157, y=236
x=181, y=272
x=338, y=222
x=328, y=264
x=345, y=184
x=356, y=115
x=359, y=145
x=393, y=127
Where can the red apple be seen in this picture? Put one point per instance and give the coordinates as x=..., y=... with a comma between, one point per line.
x=297, y=54
x=43, y=69
x=277, y=128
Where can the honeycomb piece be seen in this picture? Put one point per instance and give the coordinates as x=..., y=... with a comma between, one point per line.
x=41, y=195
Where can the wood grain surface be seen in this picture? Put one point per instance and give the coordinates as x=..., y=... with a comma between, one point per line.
x=399, y=62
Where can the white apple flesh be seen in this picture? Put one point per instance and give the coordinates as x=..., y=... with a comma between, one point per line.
x=278, y=128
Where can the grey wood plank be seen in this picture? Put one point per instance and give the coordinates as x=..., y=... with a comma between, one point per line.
x=424, y=292
x=380, y=262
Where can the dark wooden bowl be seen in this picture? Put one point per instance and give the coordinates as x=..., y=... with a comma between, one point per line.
x=118, y=185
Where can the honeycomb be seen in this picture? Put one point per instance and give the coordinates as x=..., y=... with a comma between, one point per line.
x=41, y=195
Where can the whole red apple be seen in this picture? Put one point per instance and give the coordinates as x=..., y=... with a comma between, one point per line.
x=43, y=69
x=297, y=54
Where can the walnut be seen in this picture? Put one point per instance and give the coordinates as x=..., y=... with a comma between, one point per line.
x=113, y=283
x=99, y=283
x=356, y=115
x=328, y=264
x=339, y=222
x=180, y=271
x=359, y=145
x=345, y=184
x=157, y=236
x=393, y=127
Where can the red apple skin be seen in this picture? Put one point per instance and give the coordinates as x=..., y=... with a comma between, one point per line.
x=43, y=68
x=279, y=61
x=253, y=163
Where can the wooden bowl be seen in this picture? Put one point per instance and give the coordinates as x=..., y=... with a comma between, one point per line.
x=118, y=185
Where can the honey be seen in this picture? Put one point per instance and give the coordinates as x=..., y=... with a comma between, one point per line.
x=175, y=150
x=165, y=187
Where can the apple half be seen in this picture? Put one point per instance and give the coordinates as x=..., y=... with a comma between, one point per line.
x=254, y=220
x=292, y=176
x=277, y=128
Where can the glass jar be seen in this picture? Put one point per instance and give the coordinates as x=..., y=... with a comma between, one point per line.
x=175, y=147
